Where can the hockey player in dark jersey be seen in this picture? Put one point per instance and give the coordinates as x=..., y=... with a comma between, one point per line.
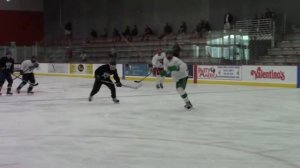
x=102, y=77
x=6, y=69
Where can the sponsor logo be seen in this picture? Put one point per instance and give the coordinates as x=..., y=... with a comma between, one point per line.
x=80, y=67
x=260, y=74
x=57, y=68
x=207, y=72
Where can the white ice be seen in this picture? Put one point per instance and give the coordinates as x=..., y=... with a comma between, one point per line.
x=229, y=127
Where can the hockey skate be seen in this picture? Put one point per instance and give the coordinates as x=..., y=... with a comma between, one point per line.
x=161, y=85
x=30, y=92
x=188, y=105
x=90, y=98
x=9, y=93
x=115, y=100
x=157, y=86
x=18, y=90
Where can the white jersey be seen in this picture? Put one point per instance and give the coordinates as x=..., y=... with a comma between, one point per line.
x=27, y=66
x=157, y=60
x=176, y=75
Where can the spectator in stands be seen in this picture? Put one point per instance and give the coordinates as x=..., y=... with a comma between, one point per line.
x=167, y=30
x=134, y=31
x=201, y=29
x=116, y=35
x=228, y=21
x=197, y=31
x=105, y=33
x=147, y=33
x=68, y=54
x=94, y=34
x=269, y=14
x=113, y=54
x=207, y=26
x=182, y=28
x=176, y=50
x=127, y=33
x=83, y=56
x=256, y=16
x=68, y=31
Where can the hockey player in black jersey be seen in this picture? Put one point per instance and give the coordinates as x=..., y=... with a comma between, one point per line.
x=6, y=69
x=102, y=77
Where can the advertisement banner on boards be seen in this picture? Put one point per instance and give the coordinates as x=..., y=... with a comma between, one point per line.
x=137, y=69
x=58, y=68
x=215, y=72
x=272, y=74
x=17, y=67
x=84, y=69
x=298, y=83
x=190, y=69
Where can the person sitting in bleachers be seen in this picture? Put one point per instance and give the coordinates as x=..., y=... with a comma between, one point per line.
x=134, y=31
x=182, y=28
x=116, y=35
x=167, y=30
x=94, y=34
x=127, y=33
x=147, y=33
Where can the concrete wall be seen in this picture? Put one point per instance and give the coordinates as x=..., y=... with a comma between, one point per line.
x=22, y=5
x=98, y=14
x=243, y=9
x=21, y=21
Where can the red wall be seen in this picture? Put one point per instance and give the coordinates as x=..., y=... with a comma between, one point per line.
x=23, y=27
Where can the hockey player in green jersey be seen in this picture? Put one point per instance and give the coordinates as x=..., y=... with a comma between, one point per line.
x=179, y=74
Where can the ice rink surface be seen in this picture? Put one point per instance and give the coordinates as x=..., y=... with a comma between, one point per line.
x=229, y=127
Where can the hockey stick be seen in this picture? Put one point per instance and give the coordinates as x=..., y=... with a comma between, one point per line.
x=34, y=84
x=133, y=87
x=17, y=76
x=139, y=81
x=124, y=85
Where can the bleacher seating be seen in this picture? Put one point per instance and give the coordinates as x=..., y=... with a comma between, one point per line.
x=134, y=51
x=285, y=52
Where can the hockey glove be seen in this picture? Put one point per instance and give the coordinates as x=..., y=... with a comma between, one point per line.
x=163, y=73
x=173, y=68
x=118, y=84
x=36, y=65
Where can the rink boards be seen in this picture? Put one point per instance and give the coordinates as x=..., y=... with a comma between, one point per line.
x=254, y=75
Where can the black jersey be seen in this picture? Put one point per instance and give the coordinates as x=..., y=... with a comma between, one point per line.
x=104, y=73
x=7, y=64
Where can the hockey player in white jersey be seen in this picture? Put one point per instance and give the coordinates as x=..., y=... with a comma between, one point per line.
x=158, y=67
x=179, y=73
x=27, y=68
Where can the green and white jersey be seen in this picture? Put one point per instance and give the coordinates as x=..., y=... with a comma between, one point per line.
x=181, y=73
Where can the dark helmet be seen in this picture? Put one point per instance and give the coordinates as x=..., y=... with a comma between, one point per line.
x=169, y=54
x=33, y=59
x=169, y=51
x=8, y=53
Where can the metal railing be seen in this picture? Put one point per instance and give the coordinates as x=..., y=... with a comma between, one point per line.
x=244, y=43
